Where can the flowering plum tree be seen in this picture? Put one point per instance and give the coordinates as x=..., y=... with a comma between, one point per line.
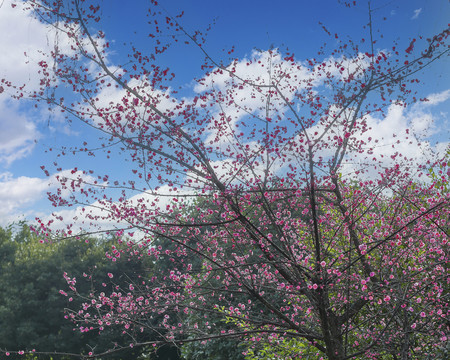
x=284, y=220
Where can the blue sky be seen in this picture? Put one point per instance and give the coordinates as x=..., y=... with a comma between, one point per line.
x=282, y=24
x=26, y=134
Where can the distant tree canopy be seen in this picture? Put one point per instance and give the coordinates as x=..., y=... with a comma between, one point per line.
x=31, y=278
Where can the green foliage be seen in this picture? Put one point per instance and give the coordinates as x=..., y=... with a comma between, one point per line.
x=440, y=173
x=272, y=347
x=31, y=306
x=286, y=349
x=217, y=349
x=222, y=349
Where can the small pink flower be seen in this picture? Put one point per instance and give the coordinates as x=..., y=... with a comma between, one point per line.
x=110, y=275
x=387, y=298
x=413, y=326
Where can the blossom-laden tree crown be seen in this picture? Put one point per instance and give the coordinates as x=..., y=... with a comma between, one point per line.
x=276, y=216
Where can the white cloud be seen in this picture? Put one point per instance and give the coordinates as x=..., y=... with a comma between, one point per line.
x=20, y=35
x=410, y=136
x=17, y=132
x=238, y=102
x=416, y=13
x=422, y=121
x=81, y=219
x=24, y=42
x=136, y=213
x=23, y=37
x=119, y=102
x=403, y=136
x=237, y=99
x=436, y=98
x=19, y=193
